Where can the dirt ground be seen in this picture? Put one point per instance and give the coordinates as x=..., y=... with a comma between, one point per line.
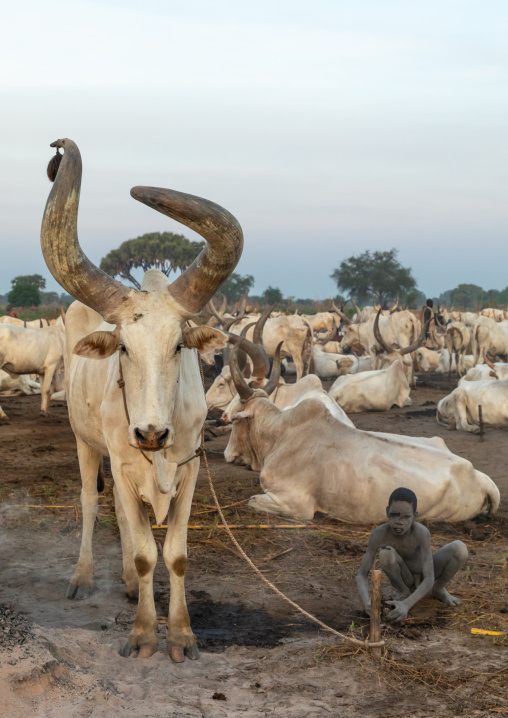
x=60, y=658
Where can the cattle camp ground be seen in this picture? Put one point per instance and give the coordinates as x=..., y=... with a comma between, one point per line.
x=259, y=657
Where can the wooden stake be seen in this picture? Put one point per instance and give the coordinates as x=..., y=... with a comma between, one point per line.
x=375, y=613
x=480, y=421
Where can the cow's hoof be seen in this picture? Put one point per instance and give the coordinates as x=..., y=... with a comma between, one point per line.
x=192, y=652
x=126, y=651
x=45, y=414
x=176, y=653
x=132, y=594
x=79, y=592
x=147, y=650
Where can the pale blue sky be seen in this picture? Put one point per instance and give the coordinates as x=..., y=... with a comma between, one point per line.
x=327, y=128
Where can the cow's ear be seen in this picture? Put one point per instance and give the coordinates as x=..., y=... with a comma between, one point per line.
x=204, y=339
x=241, y=415
x=98, y=345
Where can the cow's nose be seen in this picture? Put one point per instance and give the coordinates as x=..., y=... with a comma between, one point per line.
x=151, y=440
x=225, y=418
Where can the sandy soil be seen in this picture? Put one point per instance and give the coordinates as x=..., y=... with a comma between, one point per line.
x=258, y=656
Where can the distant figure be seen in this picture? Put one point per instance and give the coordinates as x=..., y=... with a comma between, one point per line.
x=427, y=314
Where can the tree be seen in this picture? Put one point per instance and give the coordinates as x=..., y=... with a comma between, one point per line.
x=376, y=274
x=272, y=295
x=163, y=250
x=467, y=296
x=34, y=280
x=24, y=295
x=236, y=286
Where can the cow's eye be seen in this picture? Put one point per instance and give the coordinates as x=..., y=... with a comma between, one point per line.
x=178, y=349
x=122, y=348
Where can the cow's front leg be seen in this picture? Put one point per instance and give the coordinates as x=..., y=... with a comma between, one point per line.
x=129, y=573
x=47, y=380
x=180, y=640
x=81, y=583
x=143, y=637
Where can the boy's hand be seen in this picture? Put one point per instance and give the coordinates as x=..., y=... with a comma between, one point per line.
x=399, y=612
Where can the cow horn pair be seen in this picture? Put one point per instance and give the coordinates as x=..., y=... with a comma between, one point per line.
x=86, y=282
x=406, y=350
x=255, y=349
x=244, y=390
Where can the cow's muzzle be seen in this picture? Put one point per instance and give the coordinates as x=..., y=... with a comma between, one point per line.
x=152, y=440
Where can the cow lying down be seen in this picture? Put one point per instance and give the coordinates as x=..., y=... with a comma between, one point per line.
x=309, y=461
x=375, y=390
x=459, y=410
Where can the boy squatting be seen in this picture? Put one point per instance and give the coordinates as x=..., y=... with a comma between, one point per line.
x=406, y=558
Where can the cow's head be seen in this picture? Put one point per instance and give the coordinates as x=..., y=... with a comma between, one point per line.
x=394, y=354
x=150, y=334
x=249, y=401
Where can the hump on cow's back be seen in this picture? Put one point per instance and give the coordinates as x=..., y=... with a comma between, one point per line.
x=153, y=281
x=309, y=410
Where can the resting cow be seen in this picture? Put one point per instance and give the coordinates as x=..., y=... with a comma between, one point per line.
x=459, y=410
x=309, y=461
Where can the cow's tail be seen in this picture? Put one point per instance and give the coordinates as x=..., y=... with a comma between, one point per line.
x=308, y=351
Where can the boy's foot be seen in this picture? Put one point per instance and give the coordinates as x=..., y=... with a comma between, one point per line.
x=442, y=595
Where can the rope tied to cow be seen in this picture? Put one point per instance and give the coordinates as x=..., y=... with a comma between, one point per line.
x=365, y=644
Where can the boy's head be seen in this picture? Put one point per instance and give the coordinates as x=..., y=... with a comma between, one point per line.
x=401, y=510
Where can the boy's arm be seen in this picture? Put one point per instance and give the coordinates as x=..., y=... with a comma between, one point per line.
x=362, y=578
x=401, y=608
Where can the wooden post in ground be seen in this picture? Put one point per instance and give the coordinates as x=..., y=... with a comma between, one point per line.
x=480, y=421
x=375, y=613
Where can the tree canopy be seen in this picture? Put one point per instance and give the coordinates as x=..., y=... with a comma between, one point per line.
x=272, y=295
x=376, y=275
x=160, y=250
x=236, y=286
x=24, y=295
x=33, y=280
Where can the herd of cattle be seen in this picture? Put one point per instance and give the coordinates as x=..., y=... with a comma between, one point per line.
x=142, y=402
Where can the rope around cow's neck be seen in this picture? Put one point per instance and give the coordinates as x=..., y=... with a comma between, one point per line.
x=121, y=383
x=363, y=644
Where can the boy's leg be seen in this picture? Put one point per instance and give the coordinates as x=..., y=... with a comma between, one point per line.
x=397, y=571
x=447, y=561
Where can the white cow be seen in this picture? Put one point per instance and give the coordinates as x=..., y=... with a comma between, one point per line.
x=458, y=339
x=309, y=461
x=33, y=351
x=376, y=390
x=142, y=403
x=486, y=372
x=489, y=337
x=459, y=410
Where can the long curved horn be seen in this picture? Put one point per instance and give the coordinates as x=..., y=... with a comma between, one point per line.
x=377, y=334
x=257, y=337
x=243, y=389
x=224, y=304
x=273, y=381
x=199, y=282
x=60, y=246
x=357, y=308
x=394, y=308
x=62, y=313
x=418, y=342
x=376, y=306
x=228, y=323
x=260, y=363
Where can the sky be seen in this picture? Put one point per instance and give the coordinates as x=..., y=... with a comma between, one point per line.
x=327, y=127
